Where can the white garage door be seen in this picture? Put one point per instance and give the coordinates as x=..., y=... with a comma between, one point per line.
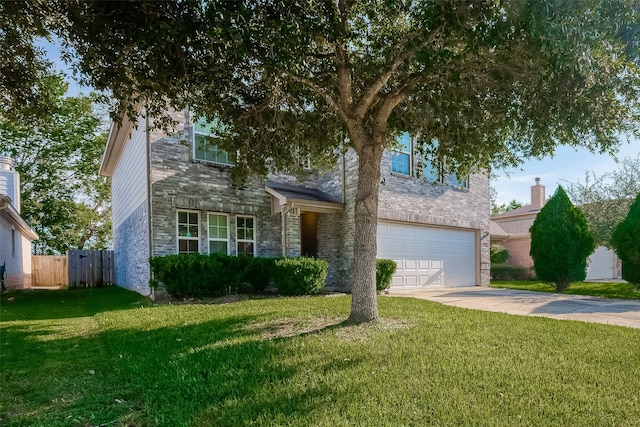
x=428, y=256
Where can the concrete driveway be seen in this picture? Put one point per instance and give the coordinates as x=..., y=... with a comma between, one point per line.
x=527, y=303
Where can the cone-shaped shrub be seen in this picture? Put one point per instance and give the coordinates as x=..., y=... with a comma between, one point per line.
x=626, y=242
x=560, y=242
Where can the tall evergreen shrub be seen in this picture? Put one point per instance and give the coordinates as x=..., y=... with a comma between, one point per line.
x=560, y=242
x=626, y=242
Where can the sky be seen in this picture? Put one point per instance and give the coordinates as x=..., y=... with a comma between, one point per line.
x=567, y=165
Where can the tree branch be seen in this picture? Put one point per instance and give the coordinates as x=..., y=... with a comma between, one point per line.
x=318, y=90
x=400, y=58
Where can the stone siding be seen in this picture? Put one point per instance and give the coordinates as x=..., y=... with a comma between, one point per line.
x=131, y=251
x=403, y=199
x=180, y=182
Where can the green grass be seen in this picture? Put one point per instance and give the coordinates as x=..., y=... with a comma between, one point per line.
x=104, y=357
x=596, y=289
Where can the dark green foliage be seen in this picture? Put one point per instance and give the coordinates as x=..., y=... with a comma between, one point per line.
x=626, y=242
x=510, y=272
x=499, y=254
x=259, y=273
x=560, y=242
x=210, y=275
x=385, y=269
x=300, y=276
x=57, y=154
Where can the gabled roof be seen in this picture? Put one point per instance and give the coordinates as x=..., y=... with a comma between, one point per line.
x=304, y=198
x=524, y=210
x=118, y=135
x=496, y=231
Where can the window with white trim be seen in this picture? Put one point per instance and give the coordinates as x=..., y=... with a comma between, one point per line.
x=245, y=235
x=218, y=228
x=204, y=143
x=401, y=158
x=435, y=171
x=188, y=230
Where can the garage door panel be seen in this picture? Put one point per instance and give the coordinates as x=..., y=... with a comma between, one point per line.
x=428, y=256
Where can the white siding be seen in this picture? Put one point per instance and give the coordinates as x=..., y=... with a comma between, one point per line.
x=18, y=263
x=129, y=181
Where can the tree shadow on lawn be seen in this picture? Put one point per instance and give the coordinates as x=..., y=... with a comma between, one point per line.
x=66, y=303
x=164, y=376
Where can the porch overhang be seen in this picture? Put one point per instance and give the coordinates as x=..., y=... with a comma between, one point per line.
x=286, y=197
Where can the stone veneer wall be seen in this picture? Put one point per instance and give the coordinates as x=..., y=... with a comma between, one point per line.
x=403, y=199
x=178, y=182
x=131, y=255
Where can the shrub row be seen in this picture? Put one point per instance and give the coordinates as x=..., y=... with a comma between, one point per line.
x=510, y=272
x=201, y=275
x=198, y=275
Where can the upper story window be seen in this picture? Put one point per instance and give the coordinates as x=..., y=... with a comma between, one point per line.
x=401, y=159
x=434, y=171
x=204, y=143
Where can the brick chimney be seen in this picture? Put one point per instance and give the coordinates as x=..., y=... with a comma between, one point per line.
x=9, y=181
x=537, y=195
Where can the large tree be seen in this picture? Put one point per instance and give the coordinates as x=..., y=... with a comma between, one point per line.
x=478, y=82
x=57, y=152
x=605, y=199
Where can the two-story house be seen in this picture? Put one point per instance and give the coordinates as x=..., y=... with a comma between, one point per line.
x=176, y=194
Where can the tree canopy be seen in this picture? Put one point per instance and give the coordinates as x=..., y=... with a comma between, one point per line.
x=605, y=199
x=58, y=155
x=481, y=83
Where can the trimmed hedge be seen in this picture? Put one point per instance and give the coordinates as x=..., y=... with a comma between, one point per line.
x=198, y=275
x=510, y=272
x=300, y=276
x=385, y=269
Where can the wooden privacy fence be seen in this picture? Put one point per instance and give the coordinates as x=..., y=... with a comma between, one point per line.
x=48, y=270
x=79, y=269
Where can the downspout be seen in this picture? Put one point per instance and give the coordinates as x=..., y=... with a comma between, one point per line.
x=149, y=204
x=344, y=177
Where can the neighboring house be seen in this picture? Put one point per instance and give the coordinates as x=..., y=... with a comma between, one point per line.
x=171, y=194
x=511, y=229
x=15, y=234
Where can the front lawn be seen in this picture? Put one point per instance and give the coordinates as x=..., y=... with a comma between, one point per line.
x=595, y=289
x=106, y=357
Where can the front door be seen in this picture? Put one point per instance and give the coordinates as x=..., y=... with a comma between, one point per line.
x=309, y=233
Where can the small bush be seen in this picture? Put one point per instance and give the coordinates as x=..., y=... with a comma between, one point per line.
x=510, y=272
x=385, y=269
x=498, y=254
x=300, y=276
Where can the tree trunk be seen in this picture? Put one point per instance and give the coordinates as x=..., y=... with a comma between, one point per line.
x=364, y=304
